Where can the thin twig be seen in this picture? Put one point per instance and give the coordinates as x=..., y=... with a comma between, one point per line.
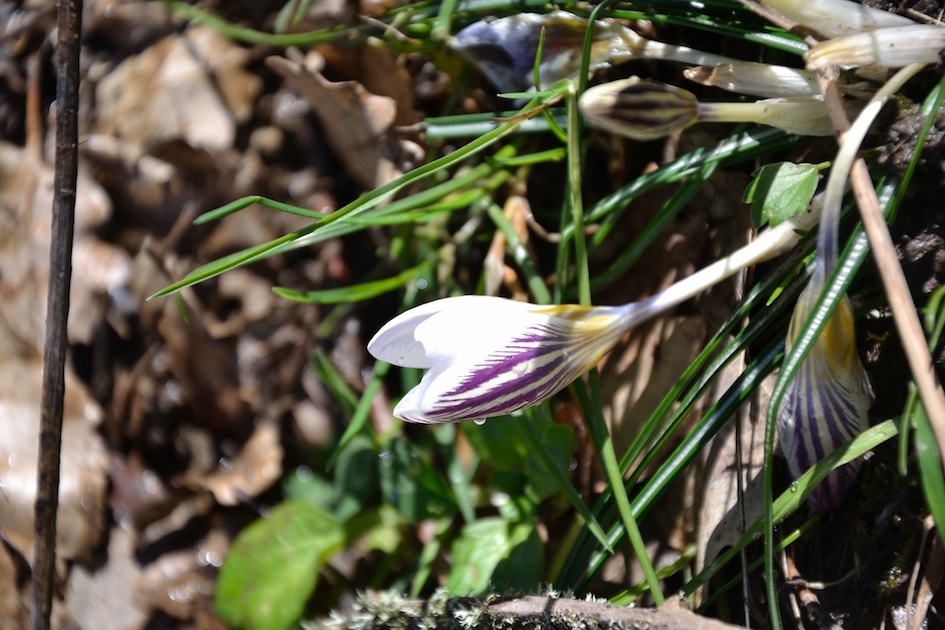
x=57, y=310
x=893, y=278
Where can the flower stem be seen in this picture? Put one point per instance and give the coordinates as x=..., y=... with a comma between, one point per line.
x=574, y=198
x=593, y=407
x=768, y=244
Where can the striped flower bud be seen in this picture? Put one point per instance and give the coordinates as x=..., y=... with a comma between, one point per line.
x=827, y=402
x=489, y=356
x=639, y=108
x=646, y=110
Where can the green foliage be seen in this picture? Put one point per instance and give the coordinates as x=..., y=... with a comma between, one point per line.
x=272, y=568
x=505, y=556
x=781, y=191
x=412, y=485
x=503, y=445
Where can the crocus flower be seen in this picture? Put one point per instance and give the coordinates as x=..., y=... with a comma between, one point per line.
x=489, y=356
x=505, y=49
x=643, y=109
x=827, y=402
x=836, y=17
x=892, y=47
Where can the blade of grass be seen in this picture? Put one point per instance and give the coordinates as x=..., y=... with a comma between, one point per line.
x=362, y=411
x=306, y=236
x=561, y=480
x=354, y=292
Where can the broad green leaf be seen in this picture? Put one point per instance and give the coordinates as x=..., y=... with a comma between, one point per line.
x=504, y=444
x=494, y=553
x=780, y=191
x=378, y=529
x=412, y=485
x=306, y=485
x=272, y=568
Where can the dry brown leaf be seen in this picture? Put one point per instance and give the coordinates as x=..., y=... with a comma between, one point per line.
x=13, y=608
x=26, y=184
x=84, y=458
x=255, y=468
x=105, y=598
x=189, y=87
x=355, y=121
x=720, y=516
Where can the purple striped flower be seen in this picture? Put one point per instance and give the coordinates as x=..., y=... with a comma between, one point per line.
x=827, y=403
x=489, y=356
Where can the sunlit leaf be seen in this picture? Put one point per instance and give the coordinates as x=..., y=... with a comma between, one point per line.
x=272, y=568
x=780, y=191
x=494, y=553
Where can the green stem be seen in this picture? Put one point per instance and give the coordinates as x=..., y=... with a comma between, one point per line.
x=605, y=450
x=575, y=201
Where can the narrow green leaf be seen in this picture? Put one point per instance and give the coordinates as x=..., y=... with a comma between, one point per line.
x=355, y=292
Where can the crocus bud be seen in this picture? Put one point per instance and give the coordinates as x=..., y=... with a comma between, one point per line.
x=894, y=47
x=827, y=402
x=639, y=108
x=836, y=17
x=646, y=110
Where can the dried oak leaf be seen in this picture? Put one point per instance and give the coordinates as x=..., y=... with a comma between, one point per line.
x=355, y=121
x=255, y=468
x=84, y=458
x=189, y=87
x=26, y=187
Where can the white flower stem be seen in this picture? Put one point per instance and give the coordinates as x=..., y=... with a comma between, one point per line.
x=828, y=247
x=683, y=54
x=769, y=243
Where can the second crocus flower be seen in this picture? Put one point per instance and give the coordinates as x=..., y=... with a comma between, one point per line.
x=491, y=356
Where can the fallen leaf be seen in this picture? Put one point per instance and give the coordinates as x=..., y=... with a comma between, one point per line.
x=355, y=121
x=105, y=598
x=99, y=269
x=189, y=87
x=84, y=460
x=255, y=468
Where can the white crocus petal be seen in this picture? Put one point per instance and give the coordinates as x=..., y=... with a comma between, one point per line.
x=886, y=47
x=491, y=356
x=836, y=17
x=756, y=79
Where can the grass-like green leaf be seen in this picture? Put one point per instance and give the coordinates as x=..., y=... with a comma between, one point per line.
x=355, y=292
